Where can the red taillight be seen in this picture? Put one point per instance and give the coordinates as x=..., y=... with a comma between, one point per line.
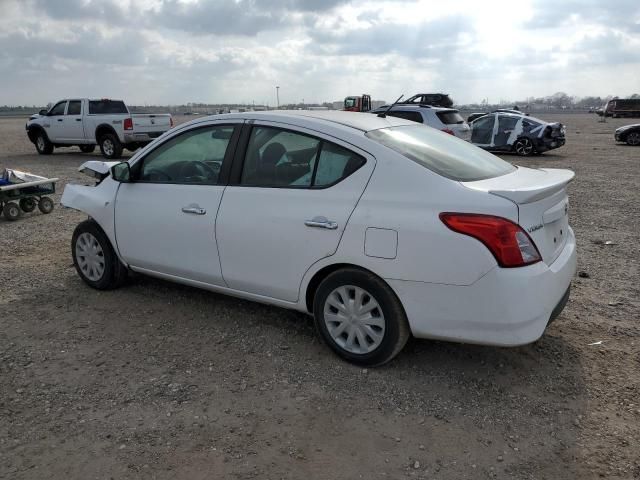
x=449, y=131
x=170, y=122
x=507, y=241
x=128, y=124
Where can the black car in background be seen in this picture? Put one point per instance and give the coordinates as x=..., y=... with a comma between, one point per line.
x=510, y=132
x=433, y=99
x=629, y=134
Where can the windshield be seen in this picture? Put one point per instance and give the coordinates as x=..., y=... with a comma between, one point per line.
x=349, y=102
x=441, y=153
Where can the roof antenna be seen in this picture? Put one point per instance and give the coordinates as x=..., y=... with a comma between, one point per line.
x=384, y=114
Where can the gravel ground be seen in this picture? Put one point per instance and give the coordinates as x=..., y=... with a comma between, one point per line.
x=157, y=380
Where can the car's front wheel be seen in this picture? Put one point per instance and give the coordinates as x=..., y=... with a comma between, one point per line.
x=360, y=317
x=633, y=138
x=94, y=258
x=524, y=147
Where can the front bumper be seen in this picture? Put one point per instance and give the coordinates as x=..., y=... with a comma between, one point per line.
x=506, y=307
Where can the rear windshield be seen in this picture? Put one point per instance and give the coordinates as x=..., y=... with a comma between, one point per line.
x=107, y=106
x=450, y=118
x=441, y=153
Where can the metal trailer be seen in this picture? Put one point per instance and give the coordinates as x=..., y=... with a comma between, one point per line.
x=16, y=198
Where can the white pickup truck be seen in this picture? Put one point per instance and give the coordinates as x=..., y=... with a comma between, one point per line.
x=87, y=123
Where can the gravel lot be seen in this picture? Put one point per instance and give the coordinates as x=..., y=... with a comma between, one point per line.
x=157, y=380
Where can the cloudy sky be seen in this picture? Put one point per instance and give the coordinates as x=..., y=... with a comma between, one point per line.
x=178, y=51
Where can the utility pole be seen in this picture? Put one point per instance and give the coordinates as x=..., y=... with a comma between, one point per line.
x=278, y=97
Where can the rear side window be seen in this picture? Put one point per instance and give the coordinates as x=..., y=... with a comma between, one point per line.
x=74, y=108
x=413, y=116
x=450, y=118
x=97, y=107
x=281, y=158
x=441, y=153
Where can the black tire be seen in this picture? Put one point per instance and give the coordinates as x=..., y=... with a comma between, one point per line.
x=43, y=145
x=87, y=148
x=114, y=273
x=633, y=138
x=110, y=146
x=11, y=211
x=396, y=328
x=27, y=204
x=45, y=205
x=524, y=147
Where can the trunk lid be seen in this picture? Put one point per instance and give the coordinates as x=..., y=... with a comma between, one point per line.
x=543, y=204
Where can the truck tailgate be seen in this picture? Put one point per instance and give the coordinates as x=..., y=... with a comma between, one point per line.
x=151, y=123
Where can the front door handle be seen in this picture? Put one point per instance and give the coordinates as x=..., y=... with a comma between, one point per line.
x=59, y=119
x=321, y=222
x=196, y=210
x=78, y=119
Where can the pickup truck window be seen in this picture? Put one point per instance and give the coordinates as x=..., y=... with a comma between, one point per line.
x=98, y=107
x=75, y=107
x=58, y=109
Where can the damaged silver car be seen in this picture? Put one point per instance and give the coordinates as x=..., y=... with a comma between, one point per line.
x=508, y=132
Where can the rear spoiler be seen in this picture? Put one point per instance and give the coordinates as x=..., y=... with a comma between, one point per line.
x=525, y=185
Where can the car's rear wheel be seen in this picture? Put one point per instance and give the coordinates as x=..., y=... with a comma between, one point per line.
x=523, y=147
x=360, y=317
x=43, y=145
x=633, y=138
x=110, y=146
x=94, y=258
x=87, y=148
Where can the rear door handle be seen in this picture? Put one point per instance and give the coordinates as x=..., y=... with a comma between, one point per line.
x=59, y=119
x=321, y=222
x=78, y=119
x=194, y=209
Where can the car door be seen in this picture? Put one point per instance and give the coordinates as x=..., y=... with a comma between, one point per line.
x=165, y=218
x=507, y=130
x=482, y=131
x=71, y=129
x=286, y=207
x=55, y=121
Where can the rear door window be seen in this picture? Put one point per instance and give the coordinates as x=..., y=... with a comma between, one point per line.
x=102, y=107
x=413, y=116
x=450, y=117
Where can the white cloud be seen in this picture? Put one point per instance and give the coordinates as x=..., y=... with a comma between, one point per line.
x=177, y=51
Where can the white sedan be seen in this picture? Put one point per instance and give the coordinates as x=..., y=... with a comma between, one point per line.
x=378, y=227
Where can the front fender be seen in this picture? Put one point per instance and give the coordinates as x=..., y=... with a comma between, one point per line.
x=96, y=201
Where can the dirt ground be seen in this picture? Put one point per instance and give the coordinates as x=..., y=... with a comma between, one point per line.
x=157, y=380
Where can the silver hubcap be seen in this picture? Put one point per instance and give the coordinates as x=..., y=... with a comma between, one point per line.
x=354, y=319
x=90, y=256
x=634, y=138
x=524, y=147
x=107, y=146
x=40, y=142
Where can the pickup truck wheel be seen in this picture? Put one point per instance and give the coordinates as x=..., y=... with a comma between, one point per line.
x=11, y=211
x=94, y=258
x=87, y=148
x=43, y=145
x=110, y=146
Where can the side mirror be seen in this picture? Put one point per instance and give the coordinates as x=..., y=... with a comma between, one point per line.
x=121, y=172
x=43, y=112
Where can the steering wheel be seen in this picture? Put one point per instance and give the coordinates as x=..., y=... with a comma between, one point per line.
x=203, y=169
x=158, y=174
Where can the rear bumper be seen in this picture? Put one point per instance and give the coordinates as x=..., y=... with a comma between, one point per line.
x=506, y=307
x=141, y=137
x=550, y=143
